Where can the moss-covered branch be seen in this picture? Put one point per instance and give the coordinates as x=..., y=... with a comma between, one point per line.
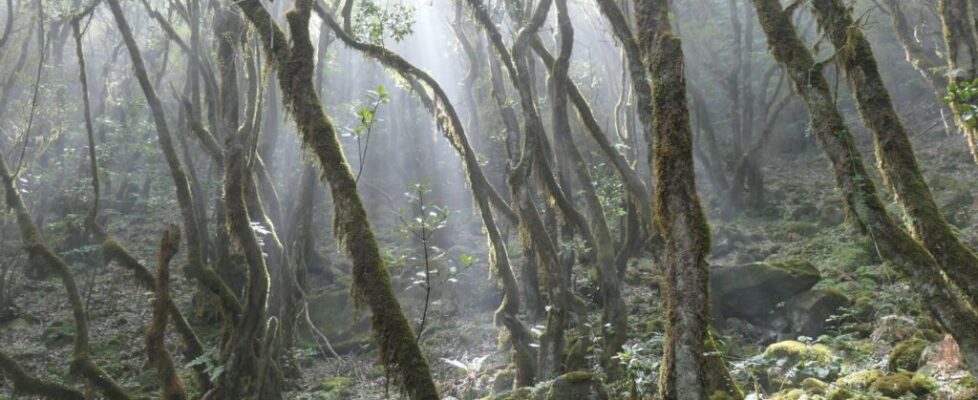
x=25, y=383
x=37, y=248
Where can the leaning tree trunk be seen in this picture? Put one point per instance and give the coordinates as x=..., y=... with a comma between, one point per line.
x=854, y=55
x=859, y=192
x=679, y=214
x=483, y=193
x=961, y=37
x=400, y=353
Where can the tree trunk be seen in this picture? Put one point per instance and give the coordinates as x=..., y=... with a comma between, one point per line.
x=861, y=199
x=855, y=58
x=679, y=215
x=399, y=351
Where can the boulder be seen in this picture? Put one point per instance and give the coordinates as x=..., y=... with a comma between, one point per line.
x=751, y=291
x=809, y=312
x=788, y=364
x=906, y=355
x=579, y=385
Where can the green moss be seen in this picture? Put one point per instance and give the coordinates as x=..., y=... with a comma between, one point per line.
x=906, y=355
x=799, y=228
x=503, y=381
x=922, y=384
x=578, y=376
x=796, y=351
x=338, y=387
x=849, y=256
x=791, y=394
x=721, y=395
x=58, y=334
x=814, y=386
x=859, y=380
x=897, y=385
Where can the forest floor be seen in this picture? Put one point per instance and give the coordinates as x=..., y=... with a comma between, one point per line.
x=803, y=219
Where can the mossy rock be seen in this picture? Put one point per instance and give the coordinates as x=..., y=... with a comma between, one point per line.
x=814, y=386
x=900, y=384
x=785, y=365
x=846, y=394
x=906, y=355
x=577, y=385
x=337, y=388
x=860, y=380
x=753, y=290
x=965, y=389
x=795, y=394
x=503, y=381
x=794, y=352
x=810, y=311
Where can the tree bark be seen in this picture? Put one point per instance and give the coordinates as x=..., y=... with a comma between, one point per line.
x=679, y=214
x=855, y=58
x=399, y=351
x=861, y=199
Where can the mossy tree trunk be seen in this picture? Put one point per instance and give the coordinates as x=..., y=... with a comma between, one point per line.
x=855, y=58
x=927, y=63
x=37, y=248
x=400, y=353
x=679, y=214
x=614, y=315
x=861, y=199
x=171, y=386
x=960, y=24
x=483, y=193
x=185, y=196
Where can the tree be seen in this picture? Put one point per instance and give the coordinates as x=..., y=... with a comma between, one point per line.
x=854, y=55
x=961, y=38
x=399, y=352
x=679, y=214
x=861, y=199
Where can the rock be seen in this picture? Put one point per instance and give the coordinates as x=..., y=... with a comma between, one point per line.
x=906, y=355
x=814, y=386
x=335, y=388
x=790, y=394
x=808, y=312
x=794, y=352
x=860, y=380
x=899, y=384
x=503, y=381
x=894, y=329
x=578, y=385
x=788, y=364
x=752, y=291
